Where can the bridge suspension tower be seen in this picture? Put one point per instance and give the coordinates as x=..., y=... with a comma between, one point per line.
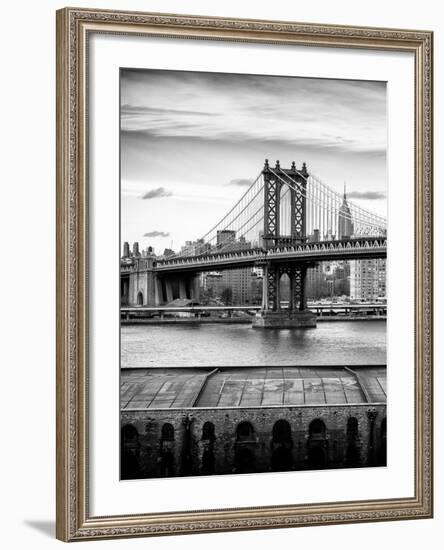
x=276, y=180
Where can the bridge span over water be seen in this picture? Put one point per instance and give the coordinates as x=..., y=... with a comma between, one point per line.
x=287, y=221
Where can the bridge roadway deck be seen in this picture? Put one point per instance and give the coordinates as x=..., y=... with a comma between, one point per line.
x=173, y=388
x=351, y=249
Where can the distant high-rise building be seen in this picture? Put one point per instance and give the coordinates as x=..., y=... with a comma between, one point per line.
x=126, y=250
x=328, y=279
x=345, y=223
x=342, y=278
x=227, y=242
x=260, y=242
x=315, y=282
x=225, y=236
x=245, y=285
x=368, y=279
x=213, y=284
x=194, y=248
x=136, y=252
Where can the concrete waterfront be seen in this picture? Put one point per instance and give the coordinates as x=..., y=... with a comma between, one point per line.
x=251, y=314
x=285, y=318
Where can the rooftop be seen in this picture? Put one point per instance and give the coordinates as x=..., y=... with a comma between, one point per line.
x=251, y=387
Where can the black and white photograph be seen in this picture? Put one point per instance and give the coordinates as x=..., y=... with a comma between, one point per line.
x=253, y=255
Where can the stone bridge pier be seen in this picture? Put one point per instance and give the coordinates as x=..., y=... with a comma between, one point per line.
x=142, y=285
x=185, y=287
x=296, y=314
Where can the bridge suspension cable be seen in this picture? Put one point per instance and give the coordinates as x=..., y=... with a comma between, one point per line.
x=330, y=210
x=327, y=215
x=235, y=226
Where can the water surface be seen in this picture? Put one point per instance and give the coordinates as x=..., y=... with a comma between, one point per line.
x=331, y=343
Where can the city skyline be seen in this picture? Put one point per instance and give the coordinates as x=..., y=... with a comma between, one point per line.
x=172, y=150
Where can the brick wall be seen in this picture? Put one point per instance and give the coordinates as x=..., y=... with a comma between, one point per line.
x=258, y=446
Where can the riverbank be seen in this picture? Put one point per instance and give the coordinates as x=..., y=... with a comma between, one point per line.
x=241, y=321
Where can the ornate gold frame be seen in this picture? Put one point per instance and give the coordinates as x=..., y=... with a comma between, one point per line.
x=73, y=519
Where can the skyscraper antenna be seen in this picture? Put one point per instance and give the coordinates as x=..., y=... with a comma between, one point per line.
x=345, y=192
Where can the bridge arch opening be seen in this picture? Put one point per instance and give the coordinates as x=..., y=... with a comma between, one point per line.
x=284, y=288
x=124, y=291
x=140, y=298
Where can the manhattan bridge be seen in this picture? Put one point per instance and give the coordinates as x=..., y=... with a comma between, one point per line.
x=287, y=221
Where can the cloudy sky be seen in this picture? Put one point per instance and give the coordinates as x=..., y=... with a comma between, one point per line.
x=191, y=143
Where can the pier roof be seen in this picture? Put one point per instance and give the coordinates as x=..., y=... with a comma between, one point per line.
x=177, y=388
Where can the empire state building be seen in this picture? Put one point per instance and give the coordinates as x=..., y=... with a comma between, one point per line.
x=345, y=223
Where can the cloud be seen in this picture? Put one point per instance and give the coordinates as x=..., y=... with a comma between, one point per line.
x=241, y=182
x=156, y=234
x=156, y=193
x=153, y=111
x=338, y=115
x=368, y=195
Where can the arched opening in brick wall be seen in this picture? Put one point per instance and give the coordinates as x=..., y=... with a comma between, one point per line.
x=282, y=432
x=352, y=426
x=245, y=432
x=317, y=457
x=382, y=455
x=352, y=453
x=317, y=451
x=317, y=428
x=167, y=432
x=281, y=460
x=167, y=464
x=244, y=460
x=129, y=452
x=129, y=433
x=208, y=431
x=207, y=462
x=140, y=298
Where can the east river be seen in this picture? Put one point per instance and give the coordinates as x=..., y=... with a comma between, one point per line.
x=331, y=343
